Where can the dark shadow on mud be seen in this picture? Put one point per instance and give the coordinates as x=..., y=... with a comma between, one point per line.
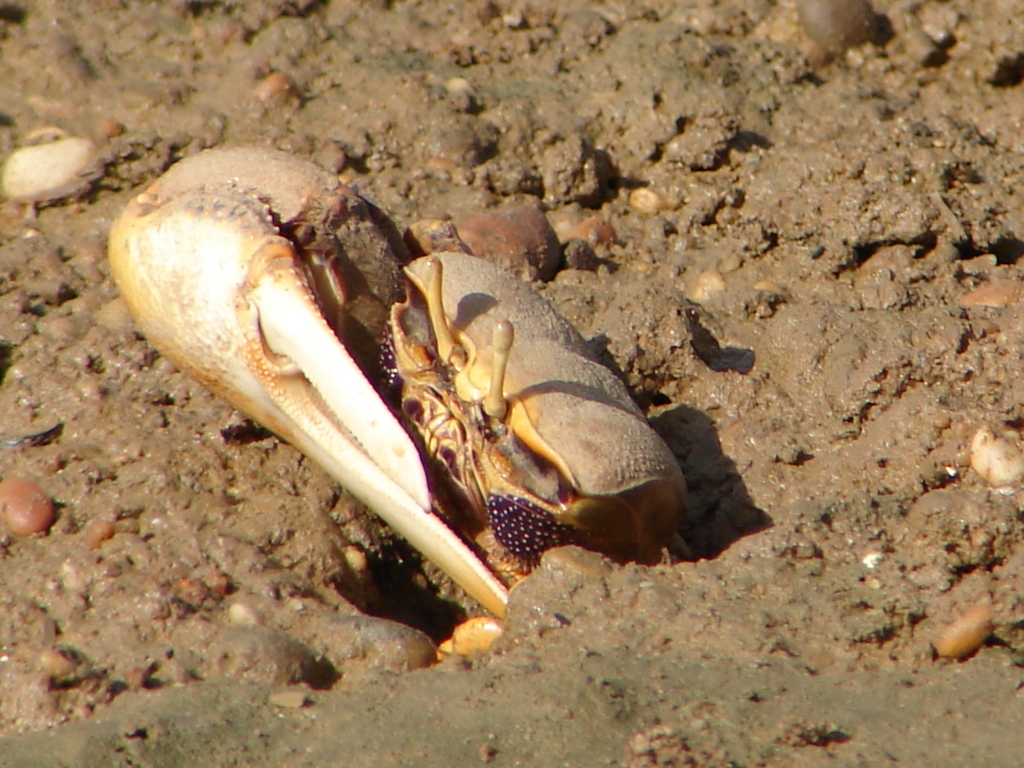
x=5, y=359
x=709, y=350
x=1008, y=249
x=406, y=596
x=720, y=508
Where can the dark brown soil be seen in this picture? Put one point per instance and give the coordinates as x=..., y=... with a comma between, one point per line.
x=788, y=306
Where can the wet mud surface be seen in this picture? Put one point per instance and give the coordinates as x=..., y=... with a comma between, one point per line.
x=813, y=290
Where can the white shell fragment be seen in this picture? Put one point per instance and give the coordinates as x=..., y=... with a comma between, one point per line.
x=998, y=461
x=872, y=560
x=48, y=171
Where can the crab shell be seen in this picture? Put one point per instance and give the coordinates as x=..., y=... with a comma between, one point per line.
x=272, y=284
x=566, y=407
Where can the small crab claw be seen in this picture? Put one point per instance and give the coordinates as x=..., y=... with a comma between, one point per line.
x=221, y=294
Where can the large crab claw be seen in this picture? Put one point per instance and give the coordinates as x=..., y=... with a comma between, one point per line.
x=217, y=262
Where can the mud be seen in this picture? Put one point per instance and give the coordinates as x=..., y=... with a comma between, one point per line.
x=786, y=305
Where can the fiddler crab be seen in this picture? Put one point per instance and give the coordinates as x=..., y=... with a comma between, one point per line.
x=444, y=393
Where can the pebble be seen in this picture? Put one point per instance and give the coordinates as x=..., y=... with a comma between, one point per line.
x=462, y=94
x=518, y=239
x=49, y=171
x=25, y=507
x=433, y=236
x=109, y=128
x=646, y=201
x=55, y=665
x=998, y=293
x=291, y=698
x=97, y=531
x=708, y=284
x=276, y=90
x=594, y=230
x=265, y=655
x=473, y=636
x=998, y=461
x=375, y=643
x=965, y=634
x=836, y=25
x=243, y=615
x=979, y=266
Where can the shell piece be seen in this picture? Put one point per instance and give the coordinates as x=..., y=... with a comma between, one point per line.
x=569, y=408
x=48, y=171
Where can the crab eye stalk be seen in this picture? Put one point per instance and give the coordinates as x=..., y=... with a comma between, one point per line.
x=447, y=348
x=495, y=405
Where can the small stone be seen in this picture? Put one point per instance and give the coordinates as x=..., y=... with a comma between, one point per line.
x=462, y=94
x=59, y=328
x=997, y=460
x=836, y=25
x=372, y=643
x=276, y=90
x=998, y=293
x=519, y=240
x=291, y=698
x=332, y=156
x=109, y=128
x=872, y=560
x=594, y=230
x=966, y=634
x=25, y=507
x=708, y=284
x=261, y=654
x=242, y=615
x=646, y=201
x=473, y=636
x=97, y=531
x=979, y=266
x=433, y=236
x=55, y=665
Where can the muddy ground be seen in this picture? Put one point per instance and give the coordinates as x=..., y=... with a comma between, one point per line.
x=789, y=308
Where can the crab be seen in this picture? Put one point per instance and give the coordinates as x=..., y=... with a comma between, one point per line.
x=447, y=395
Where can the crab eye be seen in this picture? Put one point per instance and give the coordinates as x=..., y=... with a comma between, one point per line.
x=525, y=529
